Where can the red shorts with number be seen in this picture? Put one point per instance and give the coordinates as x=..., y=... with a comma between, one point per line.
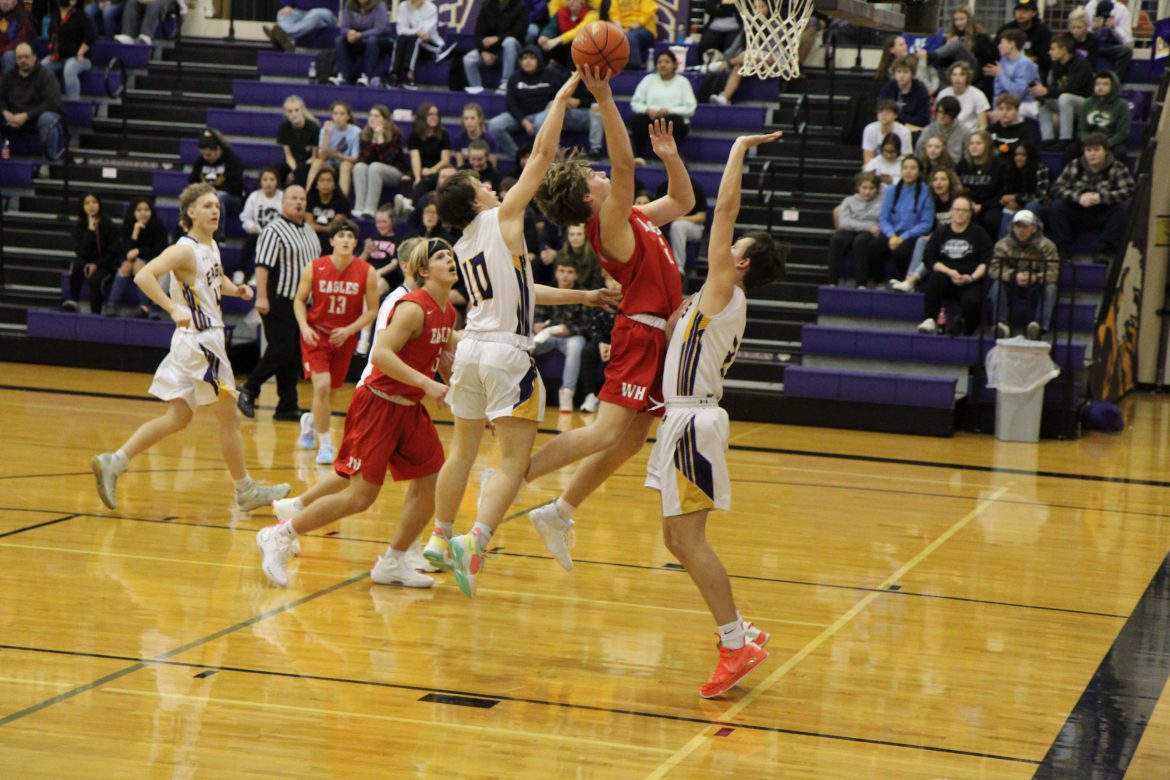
x=633, y=376
x=328, y=359
x=383, y=436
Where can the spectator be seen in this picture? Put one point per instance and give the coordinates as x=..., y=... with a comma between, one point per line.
x=1084, y=41
x=966, y=43
x=364, y=32
x=71, y=36
x=946, y=126
x=565, y=17
x=16, y=27
x=1069, y=82
x=1037, y=35
x=474, y=126
x=140, y=20
x=578, y=251
x=285, y=247
x=94, y=245
x=639, y=20
x=581, y=116
x=433, y=228
x=296, y=19
x=221, y=167
x=907, y=213
x=935, y=155
x=418, y=28
x=31, y=98
x=414, y=209
x=944, y=188
x=973, y=105
x=381, y=162
x=876, y=133
x=957, y=256
x=661, y=95
x=1010, y=129
x=725, y=78
x=888, y=165
x=857, y=220
x=261, y=207
x=143, y=238
x=430, y=148
x=500, y=30
x=983, y=174
x=597, y=346
x=479, y=160
x=105, y=16
x=326, y=202
x=1093, y=191
x=563, y=328
x=897, y=47
x=297, y=135
x=381, y=251
x=1025, y=264
x=909, y=93
x=1028, y=181
x=338, y=144
x=1015, y=74
x=722, y=28
x=537, y=19
x=1106, y=112
x=686, y=229
x=1113, y=26
x=529, y=92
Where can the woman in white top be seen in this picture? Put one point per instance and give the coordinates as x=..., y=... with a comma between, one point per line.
x=661, y=95
x=418, y=27
x=196, y=372
x=972, y=102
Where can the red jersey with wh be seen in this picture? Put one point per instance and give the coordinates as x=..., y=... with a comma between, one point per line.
x=651, y=283
x=421, y=353
x=337, y=295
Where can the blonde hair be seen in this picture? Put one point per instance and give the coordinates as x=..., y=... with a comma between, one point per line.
x=415, y=253
x=189, y=197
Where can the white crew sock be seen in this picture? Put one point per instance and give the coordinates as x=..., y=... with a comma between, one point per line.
x=482, y=535
x=325, y=439
x=732, y=635
x=447, y=528
x=121, y=462
x=565, y=510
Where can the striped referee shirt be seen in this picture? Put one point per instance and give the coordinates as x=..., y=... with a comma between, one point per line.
x=284, y=248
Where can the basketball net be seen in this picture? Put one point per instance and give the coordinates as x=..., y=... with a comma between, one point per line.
x=773, y=29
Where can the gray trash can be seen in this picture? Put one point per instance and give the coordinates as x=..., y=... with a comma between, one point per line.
x=1018, y=369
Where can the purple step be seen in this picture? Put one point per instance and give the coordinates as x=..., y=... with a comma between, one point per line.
x=134, y=55
x=78, y=113
x=17, y=173
x=832, y=384
x=872, y=344
x=884, y=305
x=254, y=155
x=53, y=324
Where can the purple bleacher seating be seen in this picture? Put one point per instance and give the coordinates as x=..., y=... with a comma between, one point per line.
x=128, y=331
x=1139, y=103
x=888, y=345
x=834, y=384
x=884, y=305
x=1146, y=71
x=17, y=173
x=78, y=113
x=254, y=155
x=134, y=55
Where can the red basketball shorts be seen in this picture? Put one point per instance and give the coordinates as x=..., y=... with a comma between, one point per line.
x=633, y=376
x=383, y=436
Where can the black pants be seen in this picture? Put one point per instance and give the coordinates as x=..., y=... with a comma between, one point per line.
x=282, y=359
x=590, y=360
x=640, y=132
x=715, y=39
x=99, y=284
x=939, y=287
x=877, y=254
x=841, y=242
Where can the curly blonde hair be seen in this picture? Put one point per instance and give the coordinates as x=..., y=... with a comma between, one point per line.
x=561, y=195
x=187, y=199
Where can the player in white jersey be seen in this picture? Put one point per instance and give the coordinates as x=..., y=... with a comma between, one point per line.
x=196, y=372
x=688, y=465
x=495, y=378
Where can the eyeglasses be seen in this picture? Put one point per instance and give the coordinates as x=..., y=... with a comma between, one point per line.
x=961, y=209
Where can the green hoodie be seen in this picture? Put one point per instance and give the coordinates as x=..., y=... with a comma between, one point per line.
x=1109, y=115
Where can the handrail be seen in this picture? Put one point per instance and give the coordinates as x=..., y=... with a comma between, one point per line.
x=114, y=94
x=800, y=125
x=831, y=66
x=173, y=13
x=59, y=126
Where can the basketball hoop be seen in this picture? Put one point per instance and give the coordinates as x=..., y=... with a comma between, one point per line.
x=772, y=29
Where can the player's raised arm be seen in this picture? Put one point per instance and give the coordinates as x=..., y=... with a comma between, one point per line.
x=178, y=259
x=679, y=199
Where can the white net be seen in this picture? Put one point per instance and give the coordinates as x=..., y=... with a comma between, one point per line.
x=773, y=29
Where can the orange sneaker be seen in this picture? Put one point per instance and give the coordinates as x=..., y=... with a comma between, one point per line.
x=733, y=666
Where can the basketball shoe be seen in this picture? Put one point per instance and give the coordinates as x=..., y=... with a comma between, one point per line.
x=105, y=470
x=398, y=571
x=416, y=560
x=325, y=455
x=308, y=435
x=733, y=666
x=556, y=532
x=438, y=551
x=274, y=550
x=258, y=495
x=466, y=562
x=285, y=510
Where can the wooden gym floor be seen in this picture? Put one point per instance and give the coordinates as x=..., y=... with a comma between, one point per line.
x=939, y=608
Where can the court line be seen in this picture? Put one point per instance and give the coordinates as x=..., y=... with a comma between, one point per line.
x=526, y=700
x=736, y=447
x=136, y=471
x=39, y=525
x=182, y=649
x=759, y=690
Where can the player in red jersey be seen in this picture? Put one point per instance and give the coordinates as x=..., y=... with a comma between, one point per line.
x=633, y=250
x=339, y=285
x=387, y=428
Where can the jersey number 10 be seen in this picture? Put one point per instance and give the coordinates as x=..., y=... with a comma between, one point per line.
x=475, y=276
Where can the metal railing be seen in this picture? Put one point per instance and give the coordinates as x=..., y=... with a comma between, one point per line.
x=116, y=65
x=62, y=130
x=831, y=67
x=173, y=13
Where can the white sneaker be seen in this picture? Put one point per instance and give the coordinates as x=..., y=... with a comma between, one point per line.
x=260, y=495
x=363, y=80
x=565, y=400
x=325, y=455
x=905, y=286
x=145, y=39
x=274, y=551
x=284, y=509
x=928, y=325
x=590, y=404
x=1033, y=331
x=719, y=99
x=294, y=546
x=337, y=80
x=124, y=39
x=107, y=478
x=473, y=90
x=1002, y=331
x=308, y=436
x=397, y=571
x=485, y=476
x=416, y=560
x=556, y=533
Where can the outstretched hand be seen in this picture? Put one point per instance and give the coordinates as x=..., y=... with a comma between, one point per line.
x=602, y=297
x=595, y=82
x=750, y=141
x=569, y=87
x=662, y=139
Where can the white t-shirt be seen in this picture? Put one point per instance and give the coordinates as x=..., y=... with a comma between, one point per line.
x=883, y=167
x=1122, y=19
x=972, y=103
x=871, y=139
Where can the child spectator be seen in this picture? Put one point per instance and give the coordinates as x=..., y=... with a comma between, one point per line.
x=563, y=328
x=296, y=19
x=364, y=32
x=1069, y=82
x=897, y=47
x=944, y=188
x=935, y=155
x=221, y=167
x=324, y=203
x=946, y=126
x=1093, y=191
x=857, y=220
x=381, y=251
x=973, y=105
x=983, y=174
x=418, y=29
x=297, y=135
x=500, y=30
x=1106, y=112
x=430, y=149
x=565, y=18
x=909, y=93
x=71, y=36
x=1010, y=128
x=94, y=244
x=907, y=213
x=381, y=162
x=876, y=132
x=1025, y=264
x=144, y=237
x=474, y=126
x=888, y=165
x=957, y=256
x=338, y=146
x=261, y=207
x=661, y=95
x=1014, y=73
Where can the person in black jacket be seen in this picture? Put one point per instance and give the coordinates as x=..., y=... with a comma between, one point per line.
x=94, y=243
x=499, y=34
x=957, y=255
x=1069, y=82
x=30, y=101
x=143, y=238
x=722, y=28
x=222, y=168
x=70, y=39
x=529, y=91
x=984, y=175
x=1037, y=32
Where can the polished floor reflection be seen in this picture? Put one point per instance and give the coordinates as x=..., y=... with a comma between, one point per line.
x=955, y=608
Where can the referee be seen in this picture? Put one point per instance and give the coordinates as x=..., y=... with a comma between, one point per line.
x=286, y=245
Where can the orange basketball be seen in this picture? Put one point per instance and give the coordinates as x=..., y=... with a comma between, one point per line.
x=601, y=45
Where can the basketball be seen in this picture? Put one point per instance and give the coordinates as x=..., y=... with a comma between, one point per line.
x=601, y=45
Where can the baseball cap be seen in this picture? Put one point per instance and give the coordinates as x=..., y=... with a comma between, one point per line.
x=1027, y=5
x=1024, y=217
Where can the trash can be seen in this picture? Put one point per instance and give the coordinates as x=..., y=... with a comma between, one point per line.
x=1018, y=369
